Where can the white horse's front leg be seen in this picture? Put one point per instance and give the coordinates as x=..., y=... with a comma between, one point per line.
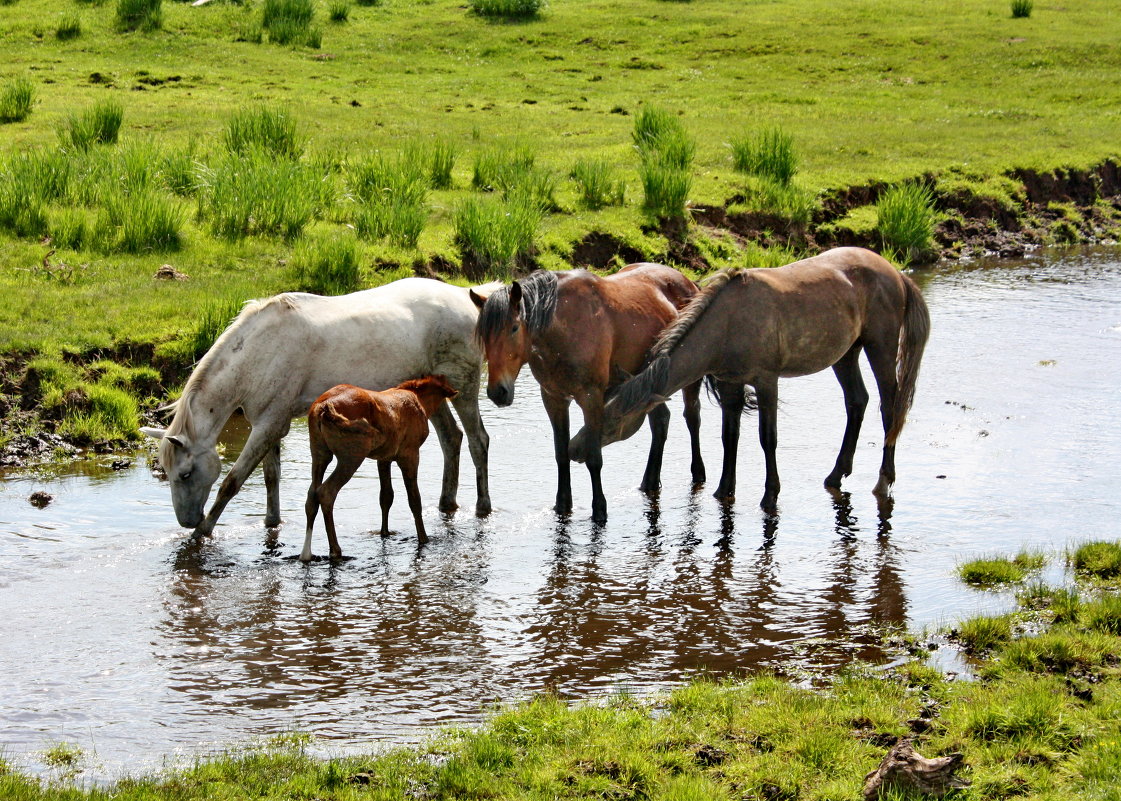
x=261, y=441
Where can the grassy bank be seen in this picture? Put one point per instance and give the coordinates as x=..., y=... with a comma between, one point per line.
x=256, y=147
x=1040, y=721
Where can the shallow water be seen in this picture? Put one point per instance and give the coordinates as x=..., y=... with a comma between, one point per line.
x=122, y=636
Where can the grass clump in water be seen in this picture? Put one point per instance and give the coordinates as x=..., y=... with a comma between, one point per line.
x=980, y=634
x=768, y=153
x=905, y=221
x=1099, y=559
x=994, y=571
x=15, y=100
x=327, y=265
x=135, y=15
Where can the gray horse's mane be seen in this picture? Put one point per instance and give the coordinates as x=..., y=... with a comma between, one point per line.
x=182, y=421
x=538, y=306
x=636, y=392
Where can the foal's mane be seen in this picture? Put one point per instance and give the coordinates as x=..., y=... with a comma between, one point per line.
x=538, y=306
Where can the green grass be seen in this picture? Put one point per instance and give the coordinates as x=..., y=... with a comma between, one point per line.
x=768, y=153
x=509, y=9
x=339, y=11
x=494, y=235
x=1021, y=8
x=15, y=100
x=905, y=221
x=327, y=265
x=144, y=15
x=69, y=27
x=598, y=184
x=267, y=128
x=98, y=125
x=979, y=634
x=1099, y=559
x=999, y=570
x=287, y=21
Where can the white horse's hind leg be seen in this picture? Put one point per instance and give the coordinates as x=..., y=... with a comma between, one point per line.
x=271, y=465
x=450, y=439
x=478, y=442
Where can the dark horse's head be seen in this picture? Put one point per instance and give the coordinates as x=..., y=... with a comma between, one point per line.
x=508, y=319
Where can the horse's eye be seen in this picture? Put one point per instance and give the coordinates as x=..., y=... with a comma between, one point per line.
x=184, y=476
x=514, y=328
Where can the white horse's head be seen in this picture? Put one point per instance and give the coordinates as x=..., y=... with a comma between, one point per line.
x=191, y=470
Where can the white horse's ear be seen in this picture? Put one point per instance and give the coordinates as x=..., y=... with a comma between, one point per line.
x=175, y=440
x=478, y=299
x=156, y=433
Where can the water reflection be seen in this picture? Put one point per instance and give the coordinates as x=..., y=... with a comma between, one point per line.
x=185, y=637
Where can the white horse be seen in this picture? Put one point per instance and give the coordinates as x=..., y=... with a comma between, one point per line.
x=281, y=353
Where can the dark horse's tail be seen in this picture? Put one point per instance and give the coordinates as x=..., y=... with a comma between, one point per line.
x=912, y=342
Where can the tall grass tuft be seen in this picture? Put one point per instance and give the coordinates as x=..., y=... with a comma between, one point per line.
x=256, y=193
x=1022, y=8
x=442, y=156
x=339, y=10
x=99, y=124
x=392, y=196
x=496, y=236
x=906, y=218
x=513, y=171
x=270, y=129
x=139, y=15
x=141, y=221
x=69, y=27
x=597, y=185
x=666, y=154
x=508, y=9
x=15, y=100
x=1099, y=559
x=327, y=265
x=179, y=170
x=288, y=21
x=768, y=153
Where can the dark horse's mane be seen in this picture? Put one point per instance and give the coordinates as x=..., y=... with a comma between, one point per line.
x=538, y=305
x=636, y=392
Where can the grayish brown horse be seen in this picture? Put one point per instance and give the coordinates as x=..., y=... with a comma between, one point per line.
x=752, y=327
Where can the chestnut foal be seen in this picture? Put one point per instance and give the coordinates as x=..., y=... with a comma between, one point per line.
x=350, y=424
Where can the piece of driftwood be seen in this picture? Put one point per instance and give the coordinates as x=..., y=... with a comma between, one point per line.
x=905, y=767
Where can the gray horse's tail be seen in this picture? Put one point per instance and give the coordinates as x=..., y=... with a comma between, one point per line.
x=636, y=393
x=912, y=343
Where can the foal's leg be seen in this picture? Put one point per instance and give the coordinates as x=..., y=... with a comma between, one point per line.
x=450, y=439
x=320, y=458
x=478, y=442
x=557, y=409
x=659, y=427
x=386, y=497
x=271, y=465
x=882, y=360
x=766, y=396
x=848, y=375
x=692, y=397
x=731, y=410
x=409, y=465
x=345, y=468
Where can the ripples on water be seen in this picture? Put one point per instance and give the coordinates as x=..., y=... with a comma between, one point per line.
x=123, y=636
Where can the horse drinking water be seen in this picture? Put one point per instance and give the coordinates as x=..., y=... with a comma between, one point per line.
x=351, y=424
x=755, y=326
x=280, y=354
x=581, y=334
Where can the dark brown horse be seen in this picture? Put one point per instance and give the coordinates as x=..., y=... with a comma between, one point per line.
x=581, y=335
x=755, y=326
x=352, y=424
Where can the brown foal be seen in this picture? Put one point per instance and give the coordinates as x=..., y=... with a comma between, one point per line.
x=351, y=424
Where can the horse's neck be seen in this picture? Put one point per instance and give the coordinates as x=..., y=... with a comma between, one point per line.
x=215, y=395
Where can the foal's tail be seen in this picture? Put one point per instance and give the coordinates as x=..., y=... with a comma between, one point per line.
x=328, y=414
x=912, y=342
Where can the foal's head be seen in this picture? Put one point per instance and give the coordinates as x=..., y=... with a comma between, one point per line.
x=431, y=391
x=504, y=335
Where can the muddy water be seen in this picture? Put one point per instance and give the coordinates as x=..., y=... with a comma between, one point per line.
x=120, y=635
